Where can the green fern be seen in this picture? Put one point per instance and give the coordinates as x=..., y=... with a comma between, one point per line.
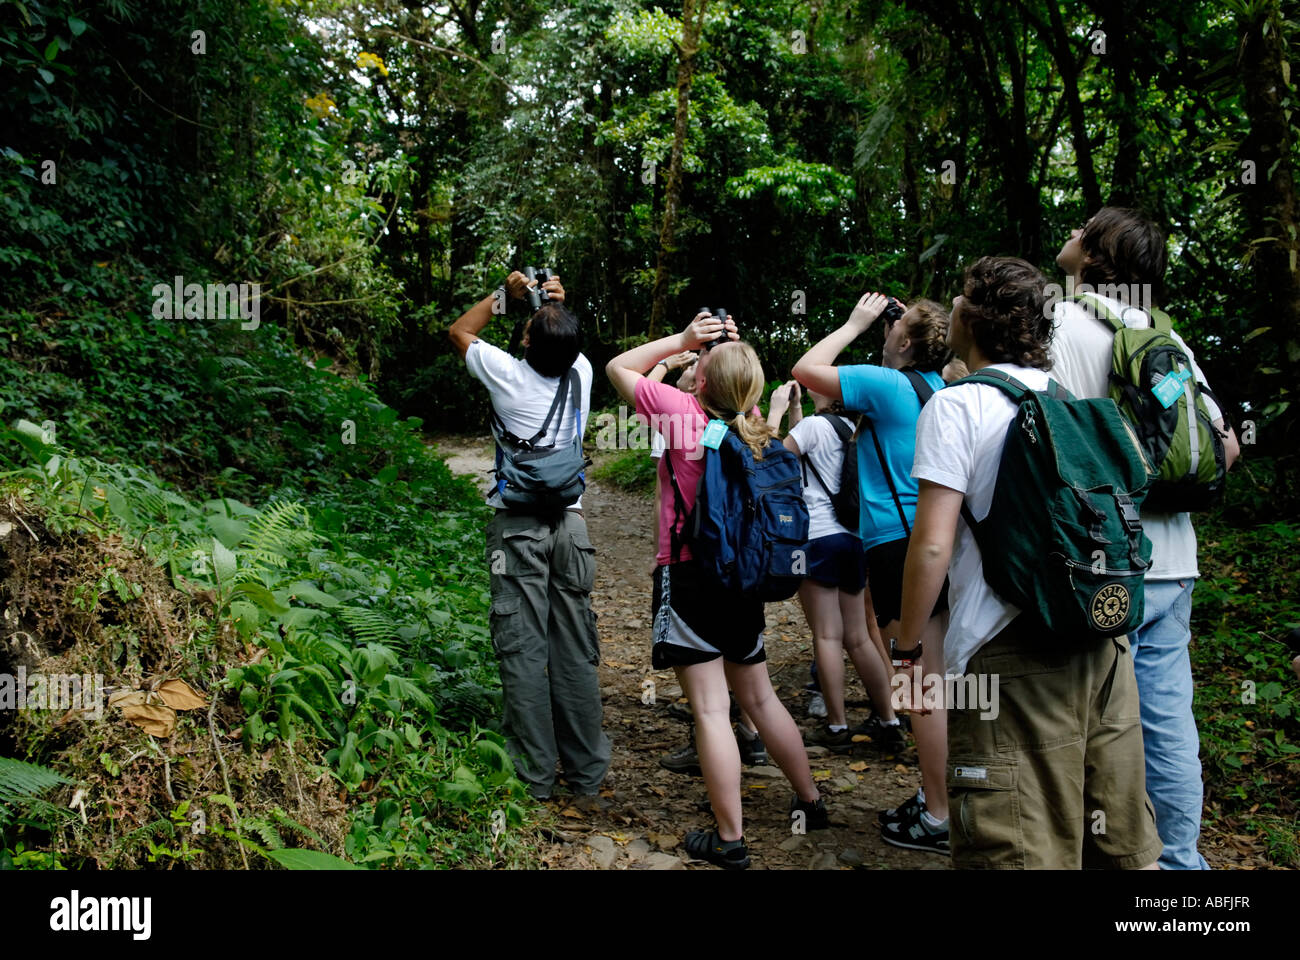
x=368, y=625
x=22, y=783
x=280, y=531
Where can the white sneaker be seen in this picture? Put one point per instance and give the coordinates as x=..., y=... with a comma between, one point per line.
x=817, y=706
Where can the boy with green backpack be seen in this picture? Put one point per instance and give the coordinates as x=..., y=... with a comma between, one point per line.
x=1109, y=340
x=1028, y=502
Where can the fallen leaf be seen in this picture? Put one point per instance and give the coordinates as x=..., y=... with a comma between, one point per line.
x=179, y=695
x=861, y=738
x=899, y=768
x=821, y=775
x=618, y=838
x=153, y=719
x=573, y=813
x=126, y=698
x=859, y=766
x=757, y=786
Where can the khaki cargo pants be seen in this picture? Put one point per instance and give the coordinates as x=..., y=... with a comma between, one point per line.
x=544, y=633
x=1057, y=779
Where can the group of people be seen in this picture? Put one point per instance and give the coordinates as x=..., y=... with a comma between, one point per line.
x=1082, y=734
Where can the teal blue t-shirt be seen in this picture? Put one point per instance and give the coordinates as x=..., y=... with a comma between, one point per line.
x=887, y=397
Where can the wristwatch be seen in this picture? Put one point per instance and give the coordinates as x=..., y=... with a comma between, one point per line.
x=664, y=363
x=903, y=658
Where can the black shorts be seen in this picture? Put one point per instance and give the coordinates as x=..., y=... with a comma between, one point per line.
x=695, y=623
x=885, y=571
x=838, y=561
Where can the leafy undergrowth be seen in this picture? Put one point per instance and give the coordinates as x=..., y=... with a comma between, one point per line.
x=336, y=631
x=1247, y=697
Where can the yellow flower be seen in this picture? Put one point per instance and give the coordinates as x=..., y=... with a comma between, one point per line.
x=321, y=104
x=365, y=60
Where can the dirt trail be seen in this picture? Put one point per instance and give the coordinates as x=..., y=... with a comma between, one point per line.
x=647, y=809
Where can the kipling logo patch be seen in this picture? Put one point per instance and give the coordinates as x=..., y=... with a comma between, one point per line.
x=1109, y=606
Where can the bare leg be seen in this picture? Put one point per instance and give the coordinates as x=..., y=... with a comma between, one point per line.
x=931, y=729
x=873, y=630
x=705, y=685
x=753, y=688
x=821, y=608
x=857, y=641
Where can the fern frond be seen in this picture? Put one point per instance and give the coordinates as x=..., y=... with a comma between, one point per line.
x=21, y=782
x=368, y=625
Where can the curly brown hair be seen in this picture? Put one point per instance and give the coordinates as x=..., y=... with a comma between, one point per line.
x=1004, y=307
x=927, y=328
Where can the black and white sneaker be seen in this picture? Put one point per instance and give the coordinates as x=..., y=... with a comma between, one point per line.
x=915, y=834
x=904, y=811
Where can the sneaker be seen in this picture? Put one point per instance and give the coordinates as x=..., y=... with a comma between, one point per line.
x=914, y=834
x=682, y=760
x=886, y=736
x=838, y=741
x=681, y=712
x=707, y=845
x=817, y=706
x=904, y=811
x=815, y=815
x=752, y=751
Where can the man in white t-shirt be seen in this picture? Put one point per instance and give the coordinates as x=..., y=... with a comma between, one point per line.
x=1121, y=253
x=1062, y=743
x=543, y=567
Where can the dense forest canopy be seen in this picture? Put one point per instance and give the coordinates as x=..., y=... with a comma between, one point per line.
x=378, y=166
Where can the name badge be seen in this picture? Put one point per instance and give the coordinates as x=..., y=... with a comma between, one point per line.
x=714, y=433
x=1170, y=387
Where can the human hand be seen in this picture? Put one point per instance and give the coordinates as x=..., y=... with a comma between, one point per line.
x=553, y=287
x=705, y=328
x=780, y=401
x=868, y=308
x=679, y=361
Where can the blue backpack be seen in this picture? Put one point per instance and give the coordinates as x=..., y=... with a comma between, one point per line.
x=748, y=530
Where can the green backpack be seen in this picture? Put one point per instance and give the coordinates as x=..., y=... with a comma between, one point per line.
x=1170, y=416
x=1063, y=540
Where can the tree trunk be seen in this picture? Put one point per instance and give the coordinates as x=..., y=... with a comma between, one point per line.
x=1270, y=200
x=692, y=22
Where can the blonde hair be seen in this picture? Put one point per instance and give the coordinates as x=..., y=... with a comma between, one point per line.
x=732, y=385
x=927, y=328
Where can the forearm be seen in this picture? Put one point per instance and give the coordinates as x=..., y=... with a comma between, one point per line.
x=816, y=369
x=629, y=367
x=471, y=323
x=796, y=413
x=657, y=372
x=928, y=555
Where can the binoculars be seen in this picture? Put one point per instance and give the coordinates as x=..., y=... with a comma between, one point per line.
x=721, y=314
x=536, y=295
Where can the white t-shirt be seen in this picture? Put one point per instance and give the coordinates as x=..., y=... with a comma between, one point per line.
x=959, y=439
x=521, y=397
x=1081, y=351
x=819, y=442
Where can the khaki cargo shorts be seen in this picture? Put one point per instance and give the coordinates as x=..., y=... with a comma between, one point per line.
x=1056, y=780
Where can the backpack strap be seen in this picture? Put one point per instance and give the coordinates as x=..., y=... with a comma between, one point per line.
x=923, y=393
x=843, y=431
x=561, y=398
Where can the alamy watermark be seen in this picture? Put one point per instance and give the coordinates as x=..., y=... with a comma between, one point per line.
x=942, y=691
x=52, y=691
x=1137, y=295
x=629, y=430
x=179, y=300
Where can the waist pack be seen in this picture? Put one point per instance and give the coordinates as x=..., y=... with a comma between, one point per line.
x=1062, y=539
x=845, y=501
x=541, y=480
x=748, y=529
x=1170, y=415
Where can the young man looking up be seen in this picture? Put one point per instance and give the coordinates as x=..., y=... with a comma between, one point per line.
x=543, y=567
x=1026, y=783
x=1124, y=255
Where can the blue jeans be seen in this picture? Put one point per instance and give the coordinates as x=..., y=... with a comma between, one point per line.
x=1173, y=762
